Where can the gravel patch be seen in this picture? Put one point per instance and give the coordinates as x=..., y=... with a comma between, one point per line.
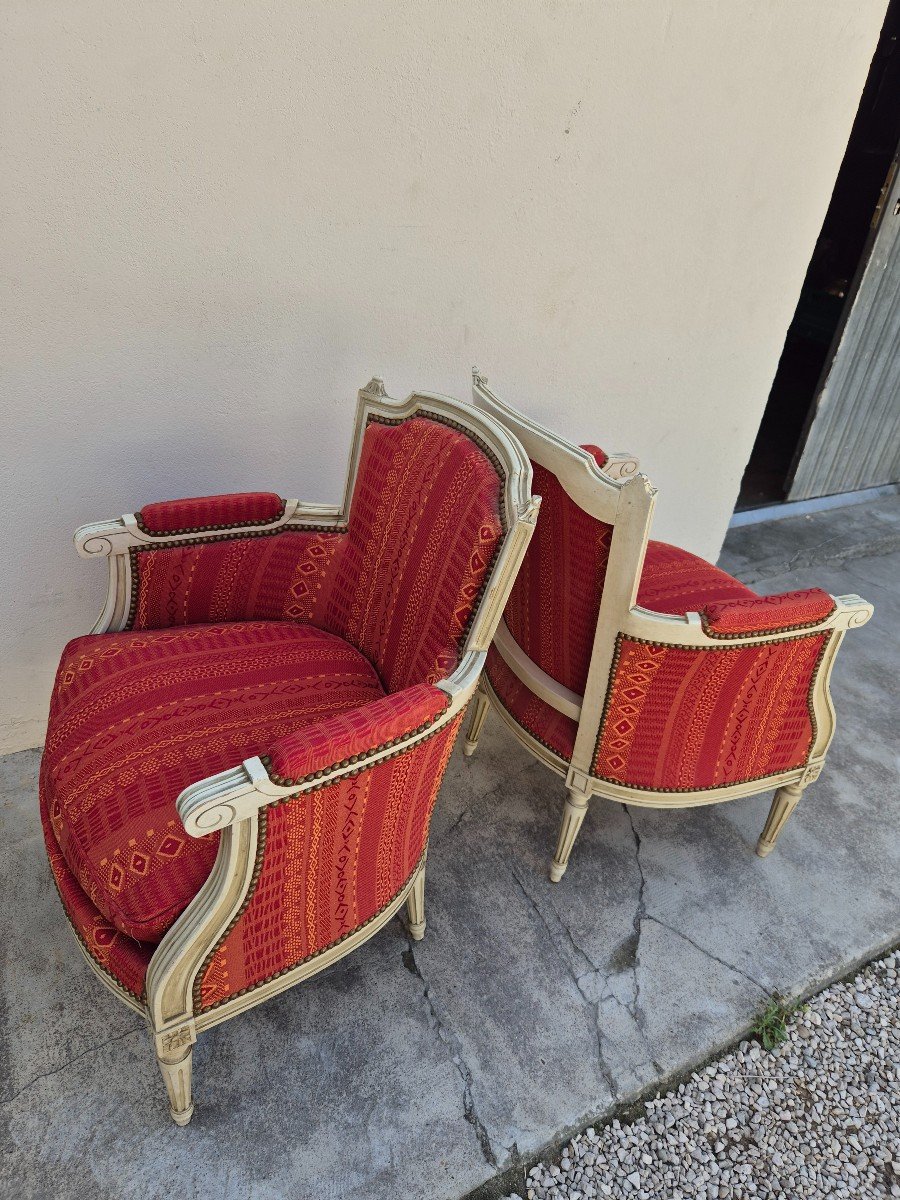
x=817, y=1116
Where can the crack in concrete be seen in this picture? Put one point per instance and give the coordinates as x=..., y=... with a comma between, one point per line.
x=446, y=1035
x=640, y=915
x=709, y=954
x=593, y=1002
x=65, y=1066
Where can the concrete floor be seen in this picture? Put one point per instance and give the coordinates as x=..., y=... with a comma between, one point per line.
x=529, y=1008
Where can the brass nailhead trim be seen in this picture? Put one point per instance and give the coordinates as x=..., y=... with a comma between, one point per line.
x=163, y=533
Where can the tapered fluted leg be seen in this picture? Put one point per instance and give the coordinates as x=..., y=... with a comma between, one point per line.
x=480, y=706
x=176, y=1072
x=784, y=803
x=415, y=908
x=573, y=815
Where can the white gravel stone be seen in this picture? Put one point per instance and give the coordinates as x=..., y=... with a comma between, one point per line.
x=817, y=1117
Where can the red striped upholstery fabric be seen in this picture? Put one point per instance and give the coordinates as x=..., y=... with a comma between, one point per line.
x=358, y=731
x=680, y=719
x=400, y=584
x=136, y=717
x=764, y=614
x=424, y=528
x=676, y=581
x=210, y=512
x=332, y=860
x=117, y=954
x=552, y=609
x=281, y=577
x=545, y=723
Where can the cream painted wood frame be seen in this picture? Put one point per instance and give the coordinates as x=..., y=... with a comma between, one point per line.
x=233, y=802
x=625, y=499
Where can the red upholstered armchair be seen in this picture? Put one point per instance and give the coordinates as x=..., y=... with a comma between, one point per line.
x=640, y=672
x=243, y=756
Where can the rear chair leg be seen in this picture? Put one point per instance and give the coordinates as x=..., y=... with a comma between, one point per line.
x=480, y=706
x=573, y=815
x=784, y=803
x=415, y=908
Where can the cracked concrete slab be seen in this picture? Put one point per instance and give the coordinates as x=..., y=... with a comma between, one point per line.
x=425, y=1069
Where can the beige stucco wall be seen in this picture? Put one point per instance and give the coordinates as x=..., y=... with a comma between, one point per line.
x=222, y=218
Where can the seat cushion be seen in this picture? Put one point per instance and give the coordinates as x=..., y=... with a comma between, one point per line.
x=675, y=581
x=135, y=717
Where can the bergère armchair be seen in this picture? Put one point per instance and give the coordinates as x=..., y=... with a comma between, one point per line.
x=243, y=756
x=640, y=672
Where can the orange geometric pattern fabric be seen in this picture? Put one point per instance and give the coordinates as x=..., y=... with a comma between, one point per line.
x=400, y=583
x=552, y=609
x=789, y=610
x=546, y=724
x=681, y=719
x=352, y=733
x=278, y=577
x=117, y=954
x=678, y=582
x=138, y=716
x=333, y=859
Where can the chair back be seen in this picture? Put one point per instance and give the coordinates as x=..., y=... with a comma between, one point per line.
x=586, y=556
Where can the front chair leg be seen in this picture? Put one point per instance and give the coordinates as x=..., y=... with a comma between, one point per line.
x=415, y=908
x=784, y=803
x=573, y=815
x=175, y=1060
x=480, y=706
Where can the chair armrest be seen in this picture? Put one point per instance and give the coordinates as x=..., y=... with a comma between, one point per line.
x=171, y=540
x=207, y=514
x=349, y=738
x=781, y=613
x=342, y=745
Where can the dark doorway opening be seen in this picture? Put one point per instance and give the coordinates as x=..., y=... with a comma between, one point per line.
x=837, y=261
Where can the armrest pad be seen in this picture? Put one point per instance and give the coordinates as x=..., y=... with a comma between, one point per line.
x=767, y=614
x=339, y=740
x=203, y=514
x=600, y=456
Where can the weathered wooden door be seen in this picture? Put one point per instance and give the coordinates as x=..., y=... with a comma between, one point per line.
x=854, y=437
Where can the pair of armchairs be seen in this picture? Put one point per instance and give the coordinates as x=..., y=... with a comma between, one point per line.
x=243, y=756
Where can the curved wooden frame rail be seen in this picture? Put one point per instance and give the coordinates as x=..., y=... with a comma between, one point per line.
x=231, y=801
x=626, y=501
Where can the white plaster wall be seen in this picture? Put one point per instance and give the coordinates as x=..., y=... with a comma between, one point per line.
x=221, y=219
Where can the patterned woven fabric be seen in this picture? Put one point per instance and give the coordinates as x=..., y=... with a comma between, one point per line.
x=300, y=754
x=675, y=581
x=211, y=512
x=681, y=719
x=279, y=577
x=400, y=584
x=119, y=955
x=552, y=609
x=541, y=720
x=332, y=860
x=136, y=717
x=762, y=614
x=424, y=527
